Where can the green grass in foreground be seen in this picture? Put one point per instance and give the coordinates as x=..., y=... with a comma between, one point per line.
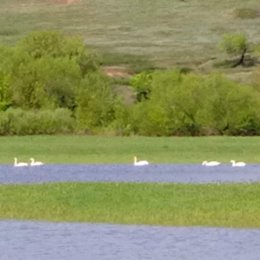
x=227, y=205
x=100, y=149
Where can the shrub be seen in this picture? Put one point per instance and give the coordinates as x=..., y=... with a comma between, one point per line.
x=95, y=101
x=21, y=122
x=246, y=13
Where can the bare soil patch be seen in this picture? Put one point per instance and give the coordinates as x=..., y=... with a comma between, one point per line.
x=117, y=71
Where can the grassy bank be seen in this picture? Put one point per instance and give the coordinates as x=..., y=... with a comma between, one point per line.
x=157, y=204
x=100, y=149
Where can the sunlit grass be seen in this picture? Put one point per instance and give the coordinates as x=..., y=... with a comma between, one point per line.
x=100, y=149
x=226, y=205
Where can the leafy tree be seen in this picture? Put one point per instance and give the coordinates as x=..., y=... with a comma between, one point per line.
x=235, y=44
x=94, y=102
x=142, y=85
x=55, y=44
x=6, y=54
x=47, y=68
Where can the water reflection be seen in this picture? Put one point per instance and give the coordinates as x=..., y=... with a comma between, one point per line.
x=61, y=241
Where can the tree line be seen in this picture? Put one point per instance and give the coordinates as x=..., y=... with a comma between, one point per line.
x=51, y=83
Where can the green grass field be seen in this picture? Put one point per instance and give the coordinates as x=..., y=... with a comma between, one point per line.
x=224, y=205
x=229, y=205
x=167, y=32
x=100, y=149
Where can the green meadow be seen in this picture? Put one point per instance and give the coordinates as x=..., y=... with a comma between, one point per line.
x=105, y=149
x=226, y=205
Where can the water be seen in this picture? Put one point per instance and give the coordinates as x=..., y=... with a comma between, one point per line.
x=61, y=241
x=179, y=173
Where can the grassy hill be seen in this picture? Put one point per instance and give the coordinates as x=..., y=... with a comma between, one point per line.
x=145, y=33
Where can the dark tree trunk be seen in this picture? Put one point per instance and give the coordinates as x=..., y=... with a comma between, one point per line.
x=241, y=60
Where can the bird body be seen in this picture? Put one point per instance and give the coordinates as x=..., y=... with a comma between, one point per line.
x=19, y=164
x=35, y=163
x=140, y=163
x=211, y=163
x=237, y=164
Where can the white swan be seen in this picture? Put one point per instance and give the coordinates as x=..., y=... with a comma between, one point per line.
x=19, y=164
x=211, y=163
x=139, y=163
x=35, y=163
x=237, y=164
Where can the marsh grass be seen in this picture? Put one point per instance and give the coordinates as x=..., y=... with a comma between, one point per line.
x=101, y=149
x=227, y=205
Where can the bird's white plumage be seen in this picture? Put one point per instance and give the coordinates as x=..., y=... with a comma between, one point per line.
x=19, y=164
x=35, y=163
x=237, y=164
x=211, y=163
x=139, y=163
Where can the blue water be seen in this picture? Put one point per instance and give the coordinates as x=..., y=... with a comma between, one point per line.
x=179, y=173
x=66, y=241
x=27, y=240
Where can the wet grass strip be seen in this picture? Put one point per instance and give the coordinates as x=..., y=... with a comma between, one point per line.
x=225, y=205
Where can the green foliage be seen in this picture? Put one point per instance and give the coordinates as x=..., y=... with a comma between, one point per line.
x=231, y=108
x=6, y=54
x=94, y=102
x=46, y=69
x=122, y=123
x=189, y=104
x=142, y=85
x=234, y=44
x=21, y=122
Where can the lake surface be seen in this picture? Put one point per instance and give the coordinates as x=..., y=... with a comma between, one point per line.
x=65, y=241
x=179, y=173
x=61, y=241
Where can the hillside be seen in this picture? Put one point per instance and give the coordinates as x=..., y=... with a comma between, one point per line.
x=145, y=33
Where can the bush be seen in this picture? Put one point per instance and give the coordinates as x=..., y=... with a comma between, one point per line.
x=95, y=103
x=197, y=105
x=246, y=13
x=21, y=122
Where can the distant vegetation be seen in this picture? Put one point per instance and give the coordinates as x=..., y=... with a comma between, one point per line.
x=51, y=83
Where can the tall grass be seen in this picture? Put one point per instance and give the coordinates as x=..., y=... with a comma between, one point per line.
x=225, y=205
x=100, y=149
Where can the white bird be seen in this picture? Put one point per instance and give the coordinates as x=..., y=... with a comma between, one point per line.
x=139, y=163
x=19, y=164
x=211, y=163
x=237, y=164
x=35, y=163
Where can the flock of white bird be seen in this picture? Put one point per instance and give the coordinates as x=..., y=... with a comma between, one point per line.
x=205, y=163
x=216, y=163
x=24, y=164
x=136, y=163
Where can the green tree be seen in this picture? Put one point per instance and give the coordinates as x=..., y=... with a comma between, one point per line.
x=6, y=54
x=46, y=70
x=235, y=45
x=94, y=103
x=55, y=44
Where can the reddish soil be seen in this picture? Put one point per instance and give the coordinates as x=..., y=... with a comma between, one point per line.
x=66, y=2
x=116, y=71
